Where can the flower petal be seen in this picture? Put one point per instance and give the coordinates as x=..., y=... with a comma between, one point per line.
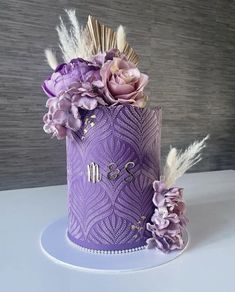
x=88, y=103
x=60, y=117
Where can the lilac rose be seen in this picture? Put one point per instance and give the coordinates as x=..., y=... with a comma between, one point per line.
x=123, y=82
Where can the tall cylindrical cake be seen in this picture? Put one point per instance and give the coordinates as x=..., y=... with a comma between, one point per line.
x=112, y=162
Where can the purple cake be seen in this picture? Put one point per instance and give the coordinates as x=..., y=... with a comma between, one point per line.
x=117, y=199
x=111, y=169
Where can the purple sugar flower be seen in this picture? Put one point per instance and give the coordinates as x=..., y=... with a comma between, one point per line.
x=62, y=117
x=166, y=243
x=73, y=86
x=72, y=75
x=168, y=220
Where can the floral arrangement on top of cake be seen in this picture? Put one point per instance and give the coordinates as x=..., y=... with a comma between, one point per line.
x=98, y=70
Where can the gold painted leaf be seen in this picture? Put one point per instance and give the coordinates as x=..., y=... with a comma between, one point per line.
x=104, y=39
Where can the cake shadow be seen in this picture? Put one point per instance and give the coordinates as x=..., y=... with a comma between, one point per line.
x=210, y=222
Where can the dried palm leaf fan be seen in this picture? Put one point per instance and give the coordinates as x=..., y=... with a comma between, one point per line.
x=104, y=39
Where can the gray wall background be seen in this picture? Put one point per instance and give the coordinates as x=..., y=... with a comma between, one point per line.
x=186, y=47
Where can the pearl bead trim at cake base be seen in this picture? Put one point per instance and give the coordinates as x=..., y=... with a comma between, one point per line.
x=111, y=251
x=96, y=251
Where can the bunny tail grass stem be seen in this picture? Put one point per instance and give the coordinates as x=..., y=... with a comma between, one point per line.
x=121, y=38
x=51, y=58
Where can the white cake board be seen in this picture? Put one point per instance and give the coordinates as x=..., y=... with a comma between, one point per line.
x=56, y=245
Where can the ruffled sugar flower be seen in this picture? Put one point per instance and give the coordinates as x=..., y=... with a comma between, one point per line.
x=62, y=117
x=123, y=82
x=78, y=73
x=168, y=220
x=72, y=86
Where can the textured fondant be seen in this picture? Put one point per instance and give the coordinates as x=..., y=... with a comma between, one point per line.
x=111, y=214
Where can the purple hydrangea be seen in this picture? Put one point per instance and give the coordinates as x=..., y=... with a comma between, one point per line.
x=168, y=221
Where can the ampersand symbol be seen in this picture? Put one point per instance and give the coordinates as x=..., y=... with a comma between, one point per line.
x=113, y=171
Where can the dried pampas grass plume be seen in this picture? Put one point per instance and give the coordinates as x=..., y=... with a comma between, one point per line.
x=76, y=41
x=51, y=58
x=178, y=162
x=121, y=38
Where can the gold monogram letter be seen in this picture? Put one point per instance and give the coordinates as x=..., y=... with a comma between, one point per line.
x=93, y=172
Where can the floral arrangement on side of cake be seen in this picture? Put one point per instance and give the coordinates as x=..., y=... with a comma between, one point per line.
x=168, y=221
x=99, y=69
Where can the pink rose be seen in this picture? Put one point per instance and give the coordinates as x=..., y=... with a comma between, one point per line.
x=123, y=82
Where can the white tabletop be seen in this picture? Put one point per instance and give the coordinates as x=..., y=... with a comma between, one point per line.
x=207, y=265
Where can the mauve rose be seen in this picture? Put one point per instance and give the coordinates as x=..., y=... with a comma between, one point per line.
x=123, y=82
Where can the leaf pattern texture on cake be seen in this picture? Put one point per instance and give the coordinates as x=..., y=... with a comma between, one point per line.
x=112, y=214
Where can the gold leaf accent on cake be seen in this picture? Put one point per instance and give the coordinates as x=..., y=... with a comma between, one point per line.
x=138, y=227
x=88, y=123
x=104, y=39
